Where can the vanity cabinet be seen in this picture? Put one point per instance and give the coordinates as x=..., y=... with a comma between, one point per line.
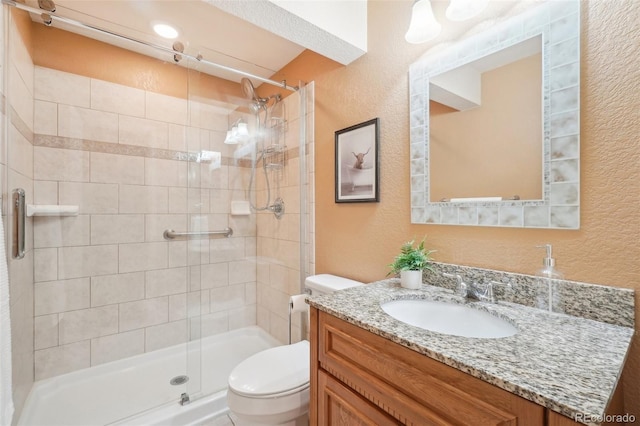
x=359, y=378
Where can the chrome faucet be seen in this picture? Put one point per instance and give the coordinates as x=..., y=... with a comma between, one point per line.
x=461, y=286
x=475, y=291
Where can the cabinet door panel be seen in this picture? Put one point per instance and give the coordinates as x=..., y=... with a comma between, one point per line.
x=340, y=406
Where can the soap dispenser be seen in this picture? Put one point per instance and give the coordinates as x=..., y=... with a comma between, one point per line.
x=549, y=272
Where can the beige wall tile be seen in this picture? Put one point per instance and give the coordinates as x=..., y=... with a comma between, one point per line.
x=243, y=271
x=214, y=275
x=20, y=156
x=160, y=172
x=74, y=262
x=143, y=132
x=164, y=335
x=45, y=192
x=62, y=359
x=225, y=298
x=156, y=224
x=214, y=323
x=45, y=264
x=45, y=331
x=166, y=108
x=60, y=164
x=144, y=313
x=177, y=307
x=110, y=289
x=143, y=199
x=217, y=178
x=88, y=323
x=206, y=116
x=62, y=87
x=177, y=253
x=178, y=200
x=164, y=282
x=60, y=296
x=116, y=229
x=117, y=346
x=111, y=97
x=60, y=231
x=21, y=96
x=177, y=137
x=81, y=123
x=219, y=201
x=112, y=168
x=143, y=256
x=226, y=249
x=92, y=198
x=45, y=121
x=242, y=317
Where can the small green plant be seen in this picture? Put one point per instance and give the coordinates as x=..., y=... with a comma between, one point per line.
x=411, y=258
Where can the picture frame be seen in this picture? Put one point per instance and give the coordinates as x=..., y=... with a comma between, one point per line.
x=357, y=169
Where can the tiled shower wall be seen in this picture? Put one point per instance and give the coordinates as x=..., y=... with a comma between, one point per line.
x=107, y=284
x=279, y=240
x=17, y=172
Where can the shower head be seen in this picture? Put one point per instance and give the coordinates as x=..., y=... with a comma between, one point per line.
x=248, y=89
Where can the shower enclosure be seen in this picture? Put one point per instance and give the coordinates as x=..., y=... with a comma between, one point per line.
x=156, y=256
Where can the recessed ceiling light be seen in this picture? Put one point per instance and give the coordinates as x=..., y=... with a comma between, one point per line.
x=165, y=30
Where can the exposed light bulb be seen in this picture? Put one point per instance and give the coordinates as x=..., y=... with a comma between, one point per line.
x=461, y=10
x=423, y=26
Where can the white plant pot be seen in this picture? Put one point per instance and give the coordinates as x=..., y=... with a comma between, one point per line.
x=411, y=279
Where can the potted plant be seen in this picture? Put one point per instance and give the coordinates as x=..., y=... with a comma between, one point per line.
x=410, y=263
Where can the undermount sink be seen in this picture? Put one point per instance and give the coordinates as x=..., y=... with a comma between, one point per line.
x=449, y=318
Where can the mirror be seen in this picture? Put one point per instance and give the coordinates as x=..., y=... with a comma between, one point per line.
x=495, y=125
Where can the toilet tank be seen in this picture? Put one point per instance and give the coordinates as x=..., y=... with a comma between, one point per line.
x=327, y=283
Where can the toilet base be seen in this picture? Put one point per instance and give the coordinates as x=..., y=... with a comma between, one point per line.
x=289, y=410
x=303, y=420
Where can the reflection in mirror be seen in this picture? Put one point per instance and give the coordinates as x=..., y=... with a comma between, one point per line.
x=485, y=134
x=495, y=125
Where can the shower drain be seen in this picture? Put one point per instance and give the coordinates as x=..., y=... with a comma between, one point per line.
x=179, y=380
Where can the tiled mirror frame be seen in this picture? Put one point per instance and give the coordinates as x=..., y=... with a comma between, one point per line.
x=559, y=25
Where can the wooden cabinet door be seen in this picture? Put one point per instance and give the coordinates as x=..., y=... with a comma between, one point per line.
x=340, y=406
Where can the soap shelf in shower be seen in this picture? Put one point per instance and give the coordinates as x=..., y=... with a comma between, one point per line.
x=52, y=210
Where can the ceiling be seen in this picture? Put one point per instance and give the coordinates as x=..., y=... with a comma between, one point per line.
x=203, y=30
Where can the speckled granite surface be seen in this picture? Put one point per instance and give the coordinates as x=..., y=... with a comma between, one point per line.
x=566, y=363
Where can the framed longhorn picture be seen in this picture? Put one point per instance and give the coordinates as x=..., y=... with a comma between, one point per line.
x=357, y=163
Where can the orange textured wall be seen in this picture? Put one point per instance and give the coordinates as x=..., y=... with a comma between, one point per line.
x=359, y=240
x=65, y=51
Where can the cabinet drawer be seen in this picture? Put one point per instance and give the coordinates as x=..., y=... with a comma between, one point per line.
x=412, y=387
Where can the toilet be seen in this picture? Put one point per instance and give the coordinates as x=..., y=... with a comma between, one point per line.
x=272, y=386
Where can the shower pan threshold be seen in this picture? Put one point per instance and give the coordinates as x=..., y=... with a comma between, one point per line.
x=136, y=390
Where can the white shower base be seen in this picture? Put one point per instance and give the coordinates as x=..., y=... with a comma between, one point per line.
x=136, y=390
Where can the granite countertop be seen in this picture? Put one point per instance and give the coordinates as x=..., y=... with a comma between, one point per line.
x=568, y=364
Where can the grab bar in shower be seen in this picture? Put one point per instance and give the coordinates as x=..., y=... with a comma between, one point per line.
x=170, y=234
x=18, y=223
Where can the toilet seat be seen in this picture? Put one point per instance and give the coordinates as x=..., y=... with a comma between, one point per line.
x=275, y=372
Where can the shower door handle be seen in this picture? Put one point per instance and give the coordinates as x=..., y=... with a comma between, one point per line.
x=19, y=219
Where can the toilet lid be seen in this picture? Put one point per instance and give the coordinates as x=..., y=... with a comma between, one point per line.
x=273, y=371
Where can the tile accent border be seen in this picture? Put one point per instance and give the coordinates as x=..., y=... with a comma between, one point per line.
x=559, y=25
x=60, y=142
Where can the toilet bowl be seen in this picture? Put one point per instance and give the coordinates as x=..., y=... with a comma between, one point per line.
x=272, y=386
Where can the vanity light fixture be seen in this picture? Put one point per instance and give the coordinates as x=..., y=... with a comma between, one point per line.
x=423, y=26
x=165, y=30
x=461, y=10
x=239, y=133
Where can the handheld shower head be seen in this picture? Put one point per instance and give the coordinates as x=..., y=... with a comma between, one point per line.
x=248, y=89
